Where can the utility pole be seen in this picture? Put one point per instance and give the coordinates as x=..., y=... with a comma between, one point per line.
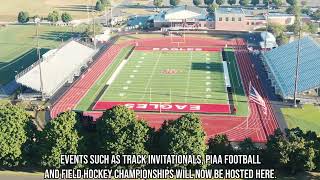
x=297, y=67
x=94, y=28
x=267, y=26
x=37, y=23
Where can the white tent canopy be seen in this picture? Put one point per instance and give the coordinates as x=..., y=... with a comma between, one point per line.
x=57, y=68
x=268, y=40
x=269, y=36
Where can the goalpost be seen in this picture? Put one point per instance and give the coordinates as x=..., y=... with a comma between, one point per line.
x=160, y=102
x=178, y=36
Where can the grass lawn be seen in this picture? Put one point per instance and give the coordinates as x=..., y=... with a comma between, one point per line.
x=9, y=9
x=18, y=43
x=239, y=97
x=306, y=118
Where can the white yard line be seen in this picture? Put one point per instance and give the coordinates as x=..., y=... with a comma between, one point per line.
x=150, y=78
x=188, y=80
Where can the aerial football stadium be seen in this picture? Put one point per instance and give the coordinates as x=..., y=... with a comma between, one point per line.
x=162, y=78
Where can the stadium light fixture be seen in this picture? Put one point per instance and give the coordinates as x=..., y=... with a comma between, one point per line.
x=297, y=67
x=37, y=23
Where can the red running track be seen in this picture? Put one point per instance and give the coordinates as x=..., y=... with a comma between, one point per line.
x=256, y=126
x=71, y=97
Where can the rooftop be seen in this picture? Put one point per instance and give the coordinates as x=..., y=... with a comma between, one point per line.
x=282, y=63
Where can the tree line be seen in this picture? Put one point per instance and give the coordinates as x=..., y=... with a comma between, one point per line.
x=54, y=16
x=119, y=131
x=275, y=3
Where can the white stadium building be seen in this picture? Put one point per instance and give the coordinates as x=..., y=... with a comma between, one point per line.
x=58, y=67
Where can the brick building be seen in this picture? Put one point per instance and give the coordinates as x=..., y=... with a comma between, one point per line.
x=235, y=19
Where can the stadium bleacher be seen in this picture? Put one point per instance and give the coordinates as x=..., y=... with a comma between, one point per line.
x=58, y=68
x=281, y=63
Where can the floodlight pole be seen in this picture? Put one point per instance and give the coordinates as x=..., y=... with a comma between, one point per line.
x=37, y=23
x=297, y=69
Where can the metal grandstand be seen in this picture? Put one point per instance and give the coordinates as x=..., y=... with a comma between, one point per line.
x=280, y=64
x=58, y=67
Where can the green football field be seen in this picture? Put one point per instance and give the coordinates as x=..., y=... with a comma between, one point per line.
x=160, y=76
x=195, y=77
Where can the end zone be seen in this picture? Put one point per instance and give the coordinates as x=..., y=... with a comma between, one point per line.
x=167, y=107
x=146, y=48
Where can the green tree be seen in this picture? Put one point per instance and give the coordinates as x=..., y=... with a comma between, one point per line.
x=99, y=6
x=291, y=2
x=53, y=16
x=290, y=152
x=255, y=2
x=13, y=134
x=244, y=2
x=174, y=2
x=247, y=146
x=208, y=2
x=277, y=3
x=196, y=2
x=316, y=15
x=311, y=28
x=220, y=2
x=266, y=2
x=232, y=2
x=23, y=17
x=276, y=29
x=211, y=8
x=59, y=137
x=220, y=144
x=89, y=29
x=120, y=132
x=66, y=17
x=183, y=136
x=157, y=3
x=282, y=39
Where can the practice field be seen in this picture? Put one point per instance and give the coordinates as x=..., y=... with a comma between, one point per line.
x=159, y=76
x=18, y=43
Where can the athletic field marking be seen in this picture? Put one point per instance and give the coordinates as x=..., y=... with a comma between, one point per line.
x=208, y=77
x=208, y=83
x=208, y=67
x=150, y=77
x=140, y=61
x=128, y=82
x=188, y=81
x=121, y=94
x=135, y=71
x=208, y=89
x=137, y=66
x=125, y=87
x=208, y=72
x=131, y=76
